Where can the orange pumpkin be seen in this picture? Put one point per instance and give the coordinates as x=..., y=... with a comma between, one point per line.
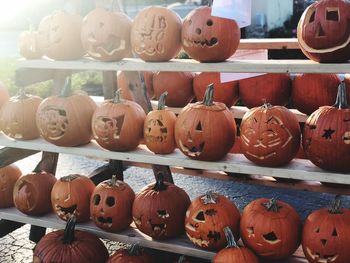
x=124, y=83
x=29, y=46
x=8, y=177
x=134, y=254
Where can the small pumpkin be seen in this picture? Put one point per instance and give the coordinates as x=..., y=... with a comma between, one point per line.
x=117, y=125
x=8, y=177
x=205, y=130
x=158, y=129
x=134, y=254
x=270, y=135
x=65, y=120
x=111, y=205
x=208, y=38
x=326, y=233
x=226, y=92
x=17, y=116
x=156, y=34
x=272, y=88
x=326, y=135
x=159, y=210
x=124, y=83
x=70, y=246
x=271, y=228
x=71, y=195
x=4, y=95
x=232, y=253
x=206, y=219
x=29, y=46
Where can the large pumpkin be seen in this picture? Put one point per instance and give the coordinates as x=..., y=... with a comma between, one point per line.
x=324, y=31
x=326, y=234
x=117, y=125
x=156, y=34
x=226, y=92
x=71, y=196
x=4, y=95
x=270, y=135
x=177, y=84
x=111, y=205
x=271, y=88
x=271, y=228
x=65, y=120
x=29, y=46
x=134, y=254
x=206, y=219
x=105, y=35
x=326, y=135
x=59, y=36
x=70, y=246
x=32, y=192
x=124, y=83
x=208, y=38
x=17, y=116
x=205, y=130
x=8, y=177
x=159, y=210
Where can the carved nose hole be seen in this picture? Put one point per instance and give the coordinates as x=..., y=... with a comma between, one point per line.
x=334, y=233
x=319, y=31
x=198, y=31
x=324, y=242
x=209, y=22
x=199, y=127
x=332, y=14
x=312, y=17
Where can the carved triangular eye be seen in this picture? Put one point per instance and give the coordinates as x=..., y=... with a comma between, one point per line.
x=199, y=127
x=334, y=233
x=317, y=230
x=200, y=216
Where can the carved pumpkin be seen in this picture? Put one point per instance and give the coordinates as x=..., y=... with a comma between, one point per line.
x=159, y=210
x=118, y=124
x=233, y=253
x=326, y=233
x=326, y=135
x=271, y=88
x=4, y=95
x=206, y=219
x=71, y=196
x=105, y=35
x=70, y=246
x=8, y=177
x=134, y=254
x=31, y=193
x=271, y=228
x=324, y=31
x=177, y=84
x=17, y=117
x=111, y=205
x=224, y=92
x=59, y=36
x=29, y=46
x=270, y=135
x=205, y=130
x=125, y=84
x=156, y=34
x=158, y=129
x=65, y=120
x=208, y=38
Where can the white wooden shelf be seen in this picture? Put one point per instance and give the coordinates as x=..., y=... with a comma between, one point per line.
x=269, y=43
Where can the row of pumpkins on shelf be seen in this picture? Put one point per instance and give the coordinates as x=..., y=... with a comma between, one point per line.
x=272, y=229
x=270, y=135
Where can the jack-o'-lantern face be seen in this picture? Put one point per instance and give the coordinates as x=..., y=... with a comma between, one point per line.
x=193, y=143
x=156, y=131
x=108, y=129
x=26, y=195
x=56, y=122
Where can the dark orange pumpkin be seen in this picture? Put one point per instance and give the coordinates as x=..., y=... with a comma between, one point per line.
x=29, y=46
x=159, y=210
x=124, y=84
x=134, y=254
x=111, y=205
x=271, y=228
x=205, y=130
x=156, y=34
x=206, y=219
x=270, y=135
x=4, y=95
x=8, y=177
x=117, y=124
x=208, y=38
x=177, y=84
x=70, y=246
x=268, y=88
x=324, y=31
x=226, y=92
x=32, y=192
x=71, y=196
x=326, y=135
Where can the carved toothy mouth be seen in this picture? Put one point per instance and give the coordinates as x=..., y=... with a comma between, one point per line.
x=105, y=221
x=193, y=151
x=199, y=241
x=321, y=259
x=202, y=43
x=66, y=212
x=191, y=227
x=346, y=137
x=271, y=238
x=158, y=227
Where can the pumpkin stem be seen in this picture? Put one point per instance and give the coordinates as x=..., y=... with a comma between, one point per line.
x=208, y=97
x=209, y=198
x=341, y=102
x=118, y=96
x=231, y=243
x=113, y=181
x=135, y=250
x=22, y=94
x=159, y=185
x=336, y=205
x=272, y=205
x=68, y=237
x=267, y=105
x=161, y=101
x=67, y=88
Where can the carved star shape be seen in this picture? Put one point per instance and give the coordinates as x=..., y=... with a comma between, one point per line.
x=328, y=133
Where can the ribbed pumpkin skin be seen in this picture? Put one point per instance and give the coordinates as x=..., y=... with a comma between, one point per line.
x=269, y=88
x=235, y=255
x=123, y=256
x=8, y=177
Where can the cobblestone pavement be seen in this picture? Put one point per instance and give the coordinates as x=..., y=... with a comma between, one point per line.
x=16, y=247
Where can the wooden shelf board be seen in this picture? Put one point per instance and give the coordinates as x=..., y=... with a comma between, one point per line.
x=269, y=43
x=233, y=163
x=238, y=66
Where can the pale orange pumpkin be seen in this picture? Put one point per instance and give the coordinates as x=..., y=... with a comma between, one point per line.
x=8, y=177
x=29, y=46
